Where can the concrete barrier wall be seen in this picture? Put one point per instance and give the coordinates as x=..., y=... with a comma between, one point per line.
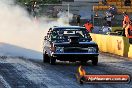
x=113, y=44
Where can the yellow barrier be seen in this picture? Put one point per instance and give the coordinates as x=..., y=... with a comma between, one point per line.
x=118, y=45
x=113, y=44
x=109, y=44
x=130, y=52
x=126, y=46
x=95, y=38
x=103, y=45
x=101, y=40
x=98, y=37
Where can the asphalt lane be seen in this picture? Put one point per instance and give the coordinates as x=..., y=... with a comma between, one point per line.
x=27, y=73
x=1, y=85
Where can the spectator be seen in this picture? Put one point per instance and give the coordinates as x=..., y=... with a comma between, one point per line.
x=108, y=18
x=96, y=14
x=126, y=21
x=96, y=19
x=127, y=2
x=128, y=32
x=78, y=20
x=112, y=9
x=88, y=26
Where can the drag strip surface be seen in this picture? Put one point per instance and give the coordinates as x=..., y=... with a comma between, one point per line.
x=28, y=73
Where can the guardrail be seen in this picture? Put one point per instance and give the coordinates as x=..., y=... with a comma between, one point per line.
x=118, y=45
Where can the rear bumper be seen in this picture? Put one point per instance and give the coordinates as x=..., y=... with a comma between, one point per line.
x=75, y=56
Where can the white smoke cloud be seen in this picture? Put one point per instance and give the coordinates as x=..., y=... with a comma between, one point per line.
x=63, y=15
x=17, y=28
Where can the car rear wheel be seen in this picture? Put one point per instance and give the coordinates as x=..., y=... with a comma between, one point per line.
x=52, y=61
x=95, y=61
x=46, y=58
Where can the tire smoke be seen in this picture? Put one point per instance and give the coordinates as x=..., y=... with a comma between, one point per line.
x=19, y=29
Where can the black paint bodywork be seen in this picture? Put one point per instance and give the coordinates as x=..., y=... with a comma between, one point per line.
x=73, y=50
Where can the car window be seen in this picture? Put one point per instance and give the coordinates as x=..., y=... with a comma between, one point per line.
x=65, y=32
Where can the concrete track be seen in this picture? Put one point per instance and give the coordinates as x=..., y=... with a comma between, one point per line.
x=27, y=73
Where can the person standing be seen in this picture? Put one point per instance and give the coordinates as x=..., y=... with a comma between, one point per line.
x=78, y=20
x=109, y=17
x=128, y=32
x=126, y=21
x=88, y=26
x=96, y=15
x=112, y=9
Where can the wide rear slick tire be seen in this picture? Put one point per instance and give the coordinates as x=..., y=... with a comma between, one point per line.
x=95, y=61
x=46, y=58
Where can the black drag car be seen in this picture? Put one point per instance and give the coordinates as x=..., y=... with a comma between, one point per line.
x=72, y=43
